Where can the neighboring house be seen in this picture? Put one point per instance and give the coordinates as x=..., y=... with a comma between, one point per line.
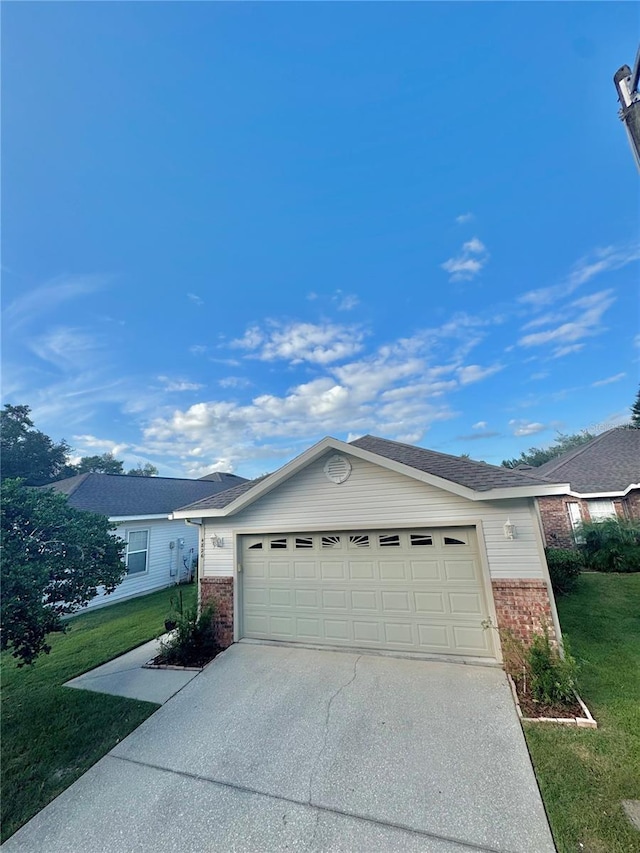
x=159, y=551
x=604, y=480
x=381, y=545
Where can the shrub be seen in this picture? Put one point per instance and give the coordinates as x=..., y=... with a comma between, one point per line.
x=612, y=545
x=552, y=677
x=565, y=566
x=193, y=643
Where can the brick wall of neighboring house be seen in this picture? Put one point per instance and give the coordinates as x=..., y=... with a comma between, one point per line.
x=632, y=504
x=523, y=607
x=556, y=522
x=219, y=592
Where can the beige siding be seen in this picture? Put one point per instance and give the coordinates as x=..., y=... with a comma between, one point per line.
x=375, y=498
x=162, y=559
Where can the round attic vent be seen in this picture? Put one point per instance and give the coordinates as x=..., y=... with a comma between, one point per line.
x=337, y=469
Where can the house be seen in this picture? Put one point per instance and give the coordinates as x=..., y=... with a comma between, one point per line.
x=375, y=544
x=159, y=552
x=604, y=481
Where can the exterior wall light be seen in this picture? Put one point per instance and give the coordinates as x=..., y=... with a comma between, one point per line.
x=509, y=530
x=217, y=541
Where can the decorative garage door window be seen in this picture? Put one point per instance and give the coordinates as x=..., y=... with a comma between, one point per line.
x=350, y=541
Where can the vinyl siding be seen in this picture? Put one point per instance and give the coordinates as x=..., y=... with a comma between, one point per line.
x=161, y=560
x=375, y=498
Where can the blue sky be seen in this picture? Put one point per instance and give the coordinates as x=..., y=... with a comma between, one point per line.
x=232, y=229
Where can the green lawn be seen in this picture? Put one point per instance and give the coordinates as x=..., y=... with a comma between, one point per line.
x=52, y=734
x=584, y=774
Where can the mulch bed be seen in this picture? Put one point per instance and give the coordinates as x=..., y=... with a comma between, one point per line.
x=531, y=708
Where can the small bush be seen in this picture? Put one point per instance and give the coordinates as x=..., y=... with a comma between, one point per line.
x=565, y=566
x=612, y=545
x=552, y=677
x=193, y=642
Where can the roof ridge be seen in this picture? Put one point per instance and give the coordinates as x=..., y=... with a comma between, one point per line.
x=82, y=480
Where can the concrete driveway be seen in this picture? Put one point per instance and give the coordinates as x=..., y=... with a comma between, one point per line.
x=273, y=748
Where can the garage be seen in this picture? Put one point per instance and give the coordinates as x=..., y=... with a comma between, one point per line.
x=412, y=590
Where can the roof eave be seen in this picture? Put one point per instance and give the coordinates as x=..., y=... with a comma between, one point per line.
x=605, y=493
x=521, y=492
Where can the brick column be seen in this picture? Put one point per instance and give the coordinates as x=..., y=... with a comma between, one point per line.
x=522, y=606
x=219, y=592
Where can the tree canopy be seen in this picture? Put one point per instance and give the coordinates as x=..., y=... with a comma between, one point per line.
x=635, y=411
x=26, y=452
x=537, y=456
x=54, y=558
x=146, y=470
x=105, y=463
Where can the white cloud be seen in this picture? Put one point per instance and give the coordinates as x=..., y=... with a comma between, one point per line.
x=474, y=373
x=234, y=382
x=44, y=299
x=568, y=350
x=317, y=343
x=198, y=349
x=480, y=425
x=464, y=218
x=538, y=376
x=521, y=427
x=346, y=301
x=468, y=263
x=600, y=261
x=65, y=347
x=586, y=322
x=91, y=445
x=193, y=297
x=608, y=380
x=179, y=384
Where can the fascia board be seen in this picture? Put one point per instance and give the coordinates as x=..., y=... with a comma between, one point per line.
x=587, y=495
x=120, y=518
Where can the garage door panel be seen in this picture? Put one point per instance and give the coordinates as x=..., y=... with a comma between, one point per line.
x=308, y=598
x=332, y=570
x=305, y=569
x=430, y=603
x=460, y=570
x=364, y=600
x=425, y=570
x=361, y=570
x=334, y=598
x=395, y=601
x=472, y=639
x=279, y=569
x=413, y=590
x=465, y=604
x=393, y=571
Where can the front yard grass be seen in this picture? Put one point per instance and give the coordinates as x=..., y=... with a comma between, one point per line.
x=52, y=734
x=583, y=773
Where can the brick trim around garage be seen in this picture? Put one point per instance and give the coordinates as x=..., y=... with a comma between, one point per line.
x=219, y=592
x=523, y=606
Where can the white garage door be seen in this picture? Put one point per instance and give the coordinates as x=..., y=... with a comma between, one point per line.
x=411, y=590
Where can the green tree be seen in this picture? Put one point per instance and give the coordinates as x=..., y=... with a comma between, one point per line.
x=26, y=452
x=53, y=560
x=105, y=463
x=635, y=411
x=146, y=470
x=536, y=456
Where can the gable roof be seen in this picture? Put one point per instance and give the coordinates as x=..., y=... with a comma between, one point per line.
x=465, y=477
x=608, y=464
x=479, y=476
x=123, y=495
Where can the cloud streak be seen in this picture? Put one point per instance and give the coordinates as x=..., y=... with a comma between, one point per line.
x=468, y=263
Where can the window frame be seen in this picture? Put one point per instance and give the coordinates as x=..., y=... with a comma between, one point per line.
x=144, y=551
x=612, y=515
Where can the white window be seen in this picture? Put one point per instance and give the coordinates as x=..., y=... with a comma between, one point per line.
x=575, y=517
x=137, y=551
x=600, y=510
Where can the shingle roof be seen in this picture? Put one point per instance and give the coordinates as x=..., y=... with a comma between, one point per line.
x=124, y=495
x=608, y=463
x=222, y=499
x=479, y=476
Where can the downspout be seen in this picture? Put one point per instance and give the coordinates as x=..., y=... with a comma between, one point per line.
x=200, y=527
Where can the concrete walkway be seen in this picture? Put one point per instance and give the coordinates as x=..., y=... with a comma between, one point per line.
x=125, y=676
x=273, y=749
